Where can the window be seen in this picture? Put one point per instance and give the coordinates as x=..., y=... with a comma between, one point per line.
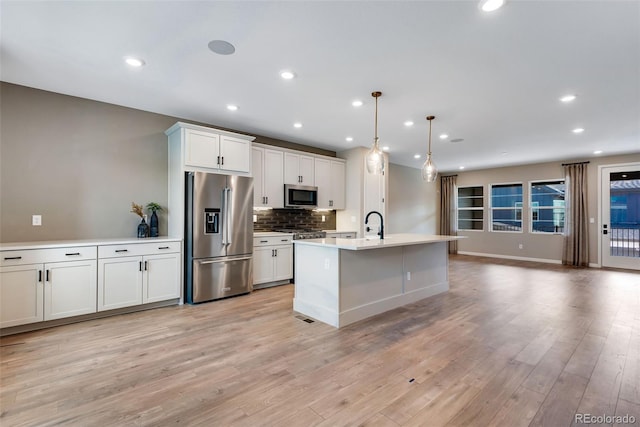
x=547, y=206
x=470, y=208
x=506, y=207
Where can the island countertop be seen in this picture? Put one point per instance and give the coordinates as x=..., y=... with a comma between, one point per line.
x=391, y=240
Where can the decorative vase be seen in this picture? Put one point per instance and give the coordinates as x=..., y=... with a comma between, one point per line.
x=143, y=229
x=153, y=225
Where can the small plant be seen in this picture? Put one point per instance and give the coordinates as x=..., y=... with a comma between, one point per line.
x=153, y=207
x=137, y=209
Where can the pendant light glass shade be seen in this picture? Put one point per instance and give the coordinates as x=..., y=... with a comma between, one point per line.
x=375, y=156
x=429, y=169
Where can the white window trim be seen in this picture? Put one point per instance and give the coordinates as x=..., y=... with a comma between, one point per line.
x=491, y=208
x=530, y=208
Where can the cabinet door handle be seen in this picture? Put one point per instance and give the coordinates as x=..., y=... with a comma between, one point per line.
x=140, y=266
x=264, y=241
x=284, y=240
x=163, y=247
x=48, y=276
x=218, y=161
x=273, y=252
x=12, y=257
x=39, y=276
x=276, y=251
x=122, y=250
x=73, y=254
x=267, y=199
x=222, y=158
x=146, y=266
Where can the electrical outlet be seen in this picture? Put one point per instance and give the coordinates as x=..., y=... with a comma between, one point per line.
x=327, y=264
x=408, y=275
x=592, y=220
x=255, y=218
x=323, y=218
x=36, y=220
x=520, y=246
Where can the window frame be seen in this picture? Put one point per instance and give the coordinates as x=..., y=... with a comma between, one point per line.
x=540, y=208
x=480, y=209
x=492, y=208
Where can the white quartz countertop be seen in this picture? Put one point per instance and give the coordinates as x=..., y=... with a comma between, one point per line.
x=270, y=234
x=392, y=240
x=52, y=244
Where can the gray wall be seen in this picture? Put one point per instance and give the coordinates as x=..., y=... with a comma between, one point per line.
x=79, y=164
x=541, y=246
x=412, y=203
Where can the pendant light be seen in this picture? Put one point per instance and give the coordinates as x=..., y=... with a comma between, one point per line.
x=429, y=170
x=375, y=156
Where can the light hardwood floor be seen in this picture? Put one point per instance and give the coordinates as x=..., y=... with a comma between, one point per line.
x=511, y=344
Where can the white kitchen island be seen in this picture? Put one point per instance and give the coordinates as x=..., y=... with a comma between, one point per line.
x=341, y=281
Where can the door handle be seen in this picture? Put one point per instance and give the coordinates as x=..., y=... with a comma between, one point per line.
x=225, y=259
x=12, y=257
x=47, y=276
x=122, y=250
x=146, y=266
x=267, y=199
x=140, y=266
x=222, y=158
x=39, y=275
x=73, y=254
x=218, y=161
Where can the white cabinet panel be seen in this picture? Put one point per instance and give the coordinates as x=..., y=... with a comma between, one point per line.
x=201, y=149
x=119, y=282
x=298, y=169
x=283, y=263
x=322, y=170
x=235, y=154
x=21, y=295
x=69, y=289
x=338, y=185
x=268, y=178
x=262, y=265
x=272, y=259
x=330, y=180
x=162, y=277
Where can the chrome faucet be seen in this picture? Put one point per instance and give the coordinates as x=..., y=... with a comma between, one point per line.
x=366, y=221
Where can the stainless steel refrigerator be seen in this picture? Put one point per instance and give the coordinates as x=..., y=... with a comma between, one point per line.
x=218, y=236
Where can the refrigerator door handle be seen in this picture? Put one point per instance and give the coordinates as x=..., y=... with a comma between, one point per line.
x=229, y=215
x=225, y=259
x=225, y=216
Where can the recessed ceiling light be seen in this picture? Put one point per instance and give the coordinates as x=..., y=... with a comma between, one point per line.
x=297, y=125
x=349, y=139
x=491, y=5
x=385, y=148
x=597, y=152
x=232, y=107
x=408, y=123
x=416, y=156
x=444, y=136
x=357, y=103
x=578, y=130
x=221, y=47
x=461, y=167
x=568, y=98
x=287, y=75
x=134, y=62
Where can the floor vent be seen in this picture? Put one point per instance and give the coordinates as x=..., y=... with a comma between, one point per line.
x=308, y=320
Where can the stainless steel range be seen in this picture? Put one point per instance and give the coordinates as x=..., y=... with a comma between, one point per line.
x=303, y=233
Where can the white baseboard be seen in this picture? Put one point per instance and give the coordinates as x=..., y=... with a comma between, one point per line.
x=518, y=258
x=594, y=265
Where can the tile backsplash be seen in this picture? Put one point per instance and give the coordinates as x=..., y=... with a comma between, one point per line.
x=274, y=219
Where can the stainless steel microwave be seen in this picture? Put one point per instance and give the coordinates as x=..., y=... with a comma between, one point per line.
x=300, y=196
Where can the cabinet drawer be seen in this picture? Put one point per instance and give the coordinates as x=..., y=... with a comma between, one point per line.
x=137, y=249
x=272, y=240
x=36, y=256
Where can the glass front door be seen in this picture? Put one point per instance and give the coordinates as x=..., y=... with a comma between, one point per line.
x=620, y=230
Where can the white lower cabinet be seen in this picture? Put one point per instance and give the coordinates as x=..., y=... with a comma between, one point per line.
x=69, y=289
x=21, y=295
x=136, y=274
x=272, y=259
x=46, y=284
x=342, y=234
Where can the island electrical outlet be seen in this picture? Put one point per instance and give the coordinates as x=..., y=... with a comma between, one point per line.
x=36, y=219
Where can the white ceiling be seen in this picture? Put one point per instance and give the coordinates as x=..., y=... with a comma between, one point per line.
x=492, y=79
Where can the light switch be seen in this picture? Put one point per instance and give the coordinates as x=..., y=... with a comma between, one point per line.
x=36, y=220
x=592, y=220
x=255, y=218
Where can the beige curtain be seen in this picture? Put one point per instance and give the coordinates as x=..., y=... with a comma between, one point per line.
x=448, y=224
x=575, y=250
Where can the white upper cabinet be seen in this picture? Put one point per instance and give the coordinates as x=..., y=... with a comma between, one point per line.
x=330, y=180
x=298, y=169
x=211, y=149
x=268, y=177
